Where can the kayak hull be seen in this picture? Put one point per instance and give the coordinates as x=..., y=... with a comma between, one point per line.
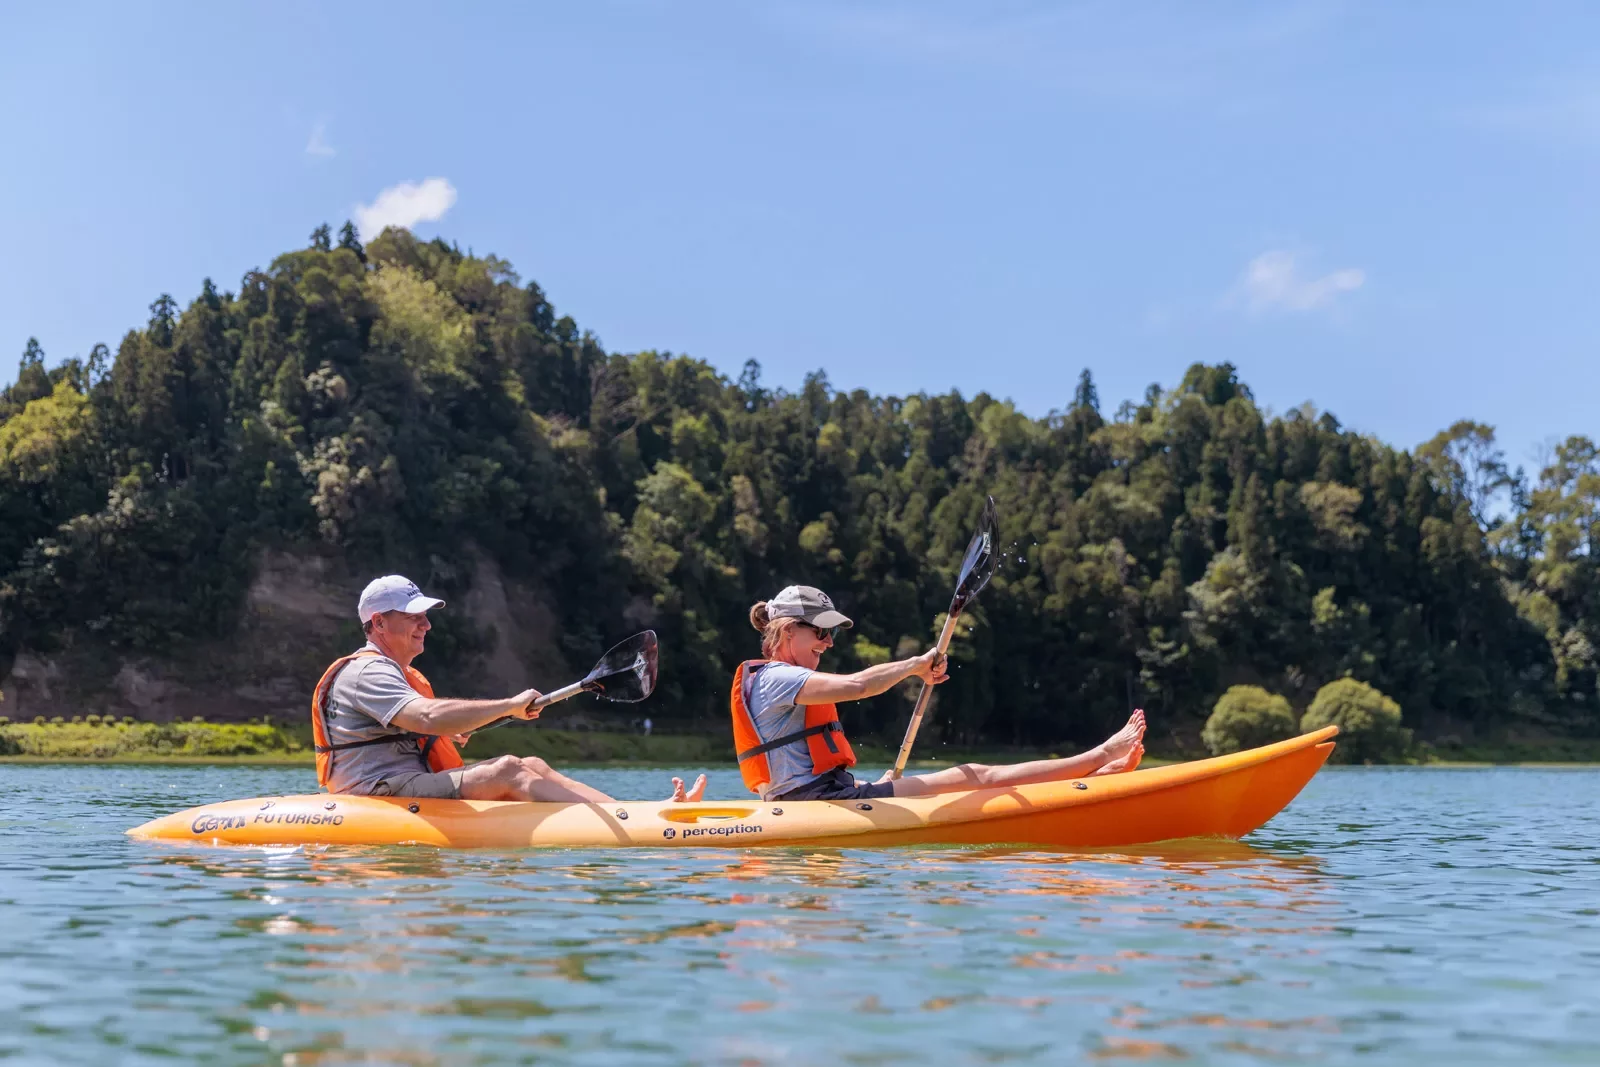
x=1228, y=796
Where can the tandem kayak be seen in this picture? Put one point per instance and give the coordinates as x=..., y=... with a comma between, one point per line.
x=1227, y=796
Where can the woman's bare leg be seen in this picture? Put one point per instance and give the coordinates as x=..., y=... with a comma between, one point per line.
x=1117, y=751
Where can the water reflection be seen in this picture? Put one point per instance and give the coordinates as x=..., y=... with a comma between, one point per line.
x=1406, y=929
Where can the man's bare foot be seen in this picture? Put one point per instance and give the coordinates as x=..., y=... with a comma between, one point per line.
x=1127, y=762
x=679, y=796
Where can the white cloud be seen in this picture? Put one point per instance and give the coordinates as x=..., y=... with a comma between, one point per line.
x=405, y=205
x=318, y=144
x=1273, y=281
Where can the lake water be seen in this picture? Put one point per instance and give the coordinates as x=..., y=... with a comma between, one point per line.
x=1389, y=915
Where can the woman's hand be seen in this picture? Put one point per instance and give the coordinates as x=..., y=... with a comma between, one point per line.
x=931, y=667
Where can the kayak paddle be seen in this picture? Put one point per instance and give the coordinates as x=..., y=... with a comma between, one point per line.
x=625, y=675
x=977, y=567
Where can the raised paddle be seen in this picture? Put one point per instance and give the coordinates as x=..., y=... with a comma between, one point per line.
x=977, y=567
x=624, y=675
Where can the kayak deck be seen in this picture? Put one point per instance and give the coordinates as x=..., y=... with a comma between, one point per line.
x=1227, y=796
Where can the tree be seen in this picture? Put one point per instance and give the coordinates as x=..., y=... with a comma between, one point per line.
x=1368, y=722
x=349, y=240
x=1086, y=397
x=1465, y=461
x=1247, y=716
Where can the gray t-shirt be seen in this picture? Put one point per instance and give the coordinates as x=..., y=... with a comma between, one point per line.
x=362, y=702
x=769, y=693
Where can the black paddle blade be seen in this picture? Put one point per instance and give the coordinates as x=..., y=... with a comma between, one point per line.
x=627, y=673
x=977, y=567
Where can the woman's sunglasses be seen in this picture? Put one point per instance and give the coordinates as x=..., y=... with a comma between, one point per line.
x=831, y=634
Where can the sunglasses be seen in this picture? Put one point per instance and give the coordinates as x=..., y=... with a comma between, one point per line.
x=832, y=633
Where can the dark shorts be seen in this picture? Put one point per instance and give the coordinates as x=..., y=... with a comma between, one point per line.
x=439, y=785
x=839, y=784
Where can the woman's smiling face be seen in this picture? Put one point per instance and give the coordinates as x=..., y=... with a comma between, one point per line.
x=804, y=645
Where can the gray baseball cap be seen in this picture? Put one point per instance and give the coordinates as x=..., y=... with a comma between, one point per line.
x=808, y=604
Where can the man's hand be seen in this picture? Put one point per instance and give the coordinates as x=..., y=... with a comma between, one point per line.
x=523, y=702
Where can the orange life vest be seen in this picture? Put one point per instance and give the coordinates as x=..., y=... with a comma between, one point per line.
x=439, y=752
x=822, y=734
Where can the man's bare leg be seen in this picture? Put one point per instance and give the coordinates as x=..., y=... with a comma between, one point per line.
x=1119, y=748
x=531, y=778
x=525, y=778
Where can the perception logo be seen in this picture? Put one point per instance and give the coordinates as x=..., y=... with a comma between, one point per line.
x=669, y=833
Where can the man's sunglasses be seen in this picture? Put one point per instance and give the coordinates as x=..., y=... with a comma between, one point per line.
x=831, y=634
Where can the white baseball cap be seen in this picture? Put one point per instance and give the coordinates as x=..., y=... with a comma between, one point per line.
x=393, y=592
x=808, y=604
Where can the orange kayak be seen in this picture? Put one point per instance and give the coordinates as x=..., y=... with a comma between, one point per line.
x=1227, y=796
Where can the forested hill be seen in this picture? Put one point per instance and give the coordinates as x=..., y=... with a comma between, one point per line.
x=404, y=406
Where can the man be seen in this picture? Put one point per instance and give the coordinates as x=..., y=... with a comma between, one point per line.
x=381, y=732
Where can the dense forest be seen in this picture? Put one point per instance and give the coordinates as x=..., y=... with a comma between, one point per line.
x=390, y=404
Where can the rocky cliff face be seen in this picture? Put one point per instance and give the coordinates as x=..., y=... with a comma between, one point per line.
x=298, y=617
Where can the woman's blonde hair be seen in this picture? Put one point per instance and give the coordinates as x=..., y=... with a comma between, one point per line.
x=772, y=630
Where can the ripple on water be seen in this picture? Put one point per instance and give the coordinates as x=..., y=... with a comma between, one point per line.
x=1405, y=915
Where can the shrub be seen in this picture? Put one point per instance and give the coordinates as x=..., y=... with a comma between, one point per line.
x=92, y=720
x=1247, y=716
x=1368, y=722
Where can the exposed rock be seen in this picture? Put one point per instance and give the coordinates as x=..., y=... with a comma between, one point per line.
x=299, y=615
x=526, y=651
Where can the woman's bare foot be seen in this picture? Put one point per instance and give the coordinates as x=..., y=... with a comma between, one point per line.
x=679, y=796
x=1127, y=762
x=1119, y=744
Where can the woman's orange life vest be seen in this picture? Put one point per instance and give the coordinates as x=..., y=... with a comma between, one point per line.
x=823, y=735
x=440, y=752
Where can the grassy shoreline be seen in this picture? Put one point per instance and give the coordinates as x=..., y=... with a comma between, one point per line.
x=195, y=742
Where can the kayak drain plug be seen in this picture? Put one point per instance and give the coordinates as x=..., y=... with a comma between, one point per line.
x=1079, y=785
x=864, y=807
x=413, y=808
x=330, y=805
x=622, y=813
x=777, y=811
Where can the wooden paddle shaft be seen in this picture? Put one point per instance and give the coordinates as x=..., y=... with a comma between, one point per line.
x=922, y=700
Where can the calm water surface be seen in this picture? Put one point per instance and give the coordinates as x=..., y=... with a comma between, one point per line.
x=1396, y=915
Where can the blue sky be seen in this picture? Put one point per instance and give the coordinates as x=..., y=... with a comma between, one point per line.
x=1386, y=210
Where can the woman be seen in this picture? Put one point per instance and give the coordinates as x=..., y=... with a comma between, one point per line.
x=786, y=726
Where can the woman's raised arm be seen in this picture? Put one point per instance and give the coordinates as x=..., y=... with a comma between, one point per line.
x=837, y=688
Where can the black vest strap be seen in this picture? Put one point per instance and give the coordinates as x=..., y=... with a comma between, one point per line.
x=789, y=739
x=389, y=740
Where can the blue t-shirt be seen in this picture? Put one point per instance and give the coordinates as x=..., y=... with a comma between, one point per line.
x=769, y=694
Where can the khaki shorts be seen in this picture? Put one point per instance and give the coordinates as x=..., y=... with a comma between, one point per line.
x=436, y=785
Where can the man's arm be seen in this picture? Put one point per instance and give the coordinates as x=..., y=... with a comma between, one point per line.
x=428, y=715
